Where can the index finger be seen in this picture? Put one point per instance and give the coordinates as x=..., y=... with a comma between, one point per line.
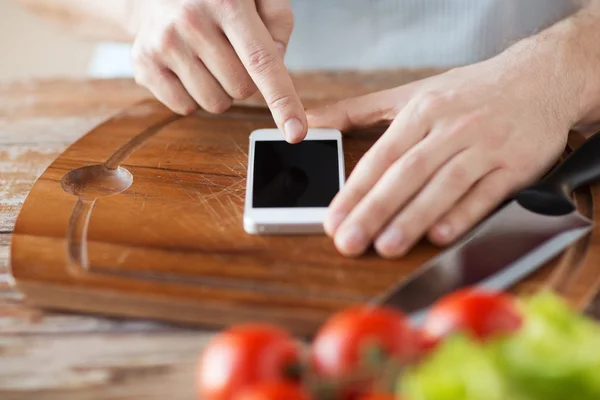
x=258, y=52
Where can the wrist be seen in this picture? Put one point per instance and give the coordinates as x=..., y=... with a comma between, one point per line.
x=562, y=66
x=583, y=52
x=543, y=67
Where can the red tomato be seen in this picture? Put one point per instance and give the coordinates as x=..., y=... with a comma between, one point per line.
x=278, y=390
x=243, y=356
x=476, y=312
x=379, y=396
x=341, y=342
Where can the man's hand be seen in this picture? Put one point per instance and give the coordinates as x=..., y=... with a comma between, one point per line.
x=458, y=144
x=205, y=53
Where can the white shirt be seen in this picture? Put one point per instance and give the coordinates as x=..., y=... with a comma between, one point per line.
x=378, y=34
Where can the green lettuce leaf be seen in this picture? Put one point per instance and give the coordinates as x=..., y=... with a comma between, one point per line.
x=555, y=355
x=460, y=369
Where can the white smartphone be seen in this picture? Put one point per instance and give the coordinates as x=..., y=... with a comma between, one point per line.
x=290, y=186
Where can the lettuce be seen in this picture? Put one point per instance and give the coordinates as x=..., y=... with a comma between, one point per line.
x=554, y=356
x=460, y=369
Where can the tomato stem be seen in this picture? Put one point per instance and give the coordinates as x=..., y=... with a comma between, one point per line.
x=372, y=355
x=293, y=371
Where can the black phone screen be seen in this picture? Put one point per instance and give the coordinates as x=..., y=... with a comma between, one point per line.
x=305, y=174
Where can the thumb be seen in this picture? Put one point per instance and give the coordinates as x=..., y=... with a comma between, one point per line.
x=278, y=17
x=367, y=110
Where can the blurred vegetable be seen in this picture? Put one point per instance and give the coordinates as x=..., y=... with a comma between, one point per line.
x=476, y=312
x=460, y=369
x=556, y=355
x=425, y=343
x=475, y=345
x=379, y=396
x=279, y=390
x=361, y=335
x=242, y=356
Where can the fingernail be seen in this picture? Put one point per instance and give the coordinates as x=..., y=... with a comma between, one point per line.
x=280, y=47
x=390, y=241
x=443, y=231
x=333, y=221
x=293, y=130
x=351, y=240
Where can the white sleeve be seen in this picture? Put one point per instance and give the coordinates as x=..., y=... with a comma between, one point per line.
x=111, y=60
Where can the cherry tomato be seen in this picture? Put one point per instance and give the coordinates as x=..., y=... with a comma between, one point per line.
x=476, y=312
x=341, y=343
x=242, y=356
x=279, y=390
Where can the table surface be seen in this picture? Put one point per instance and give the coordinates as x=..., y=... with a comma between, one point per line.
x=51, y=355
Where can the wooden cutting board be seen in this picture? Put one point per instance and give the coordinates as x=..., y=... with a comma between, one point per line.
x=142, y=218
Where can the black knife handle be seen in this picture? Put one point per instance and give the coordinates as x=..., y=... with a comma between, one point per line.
x=552, y=195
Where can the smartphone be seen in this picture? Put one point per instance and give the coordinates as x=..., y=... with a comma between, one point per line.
x=290, y=186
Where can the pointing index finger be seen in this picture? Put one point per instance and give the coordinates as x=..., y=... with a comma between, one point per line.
x=262, y=58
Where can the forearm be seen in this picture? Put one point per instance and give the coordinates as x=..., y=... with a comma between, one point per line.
x=98, y=19
x=564, y=61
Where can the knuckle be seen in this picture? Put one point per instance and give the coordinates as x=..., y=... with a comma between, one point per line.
x=494, y=138
x=379, y=209
x=281, y=102
x=167, y=40
x=286, y=21
x=483, y=201
x=414, y=161
x=458, y=174
x=430, y=103
x=188, y=16
x=464, y=125
x=261, y=60
x=243, y=90
x=379, y=154
x=449, y=95
x=283, y=18
x=362, y=168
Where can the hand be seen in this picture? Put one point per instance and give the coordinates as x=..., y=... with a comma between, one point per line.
x=205, y=53
x=458, y=144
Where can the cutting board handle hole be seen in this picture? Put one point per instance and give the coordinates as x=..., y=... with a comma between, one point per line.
x=95, y=181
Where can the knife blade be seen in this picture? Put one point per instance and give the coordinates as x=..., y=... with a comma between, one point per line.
x=539, y=223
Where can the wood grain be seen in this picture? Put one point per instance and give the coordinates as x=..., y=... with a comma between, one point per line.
x=52, y=355
x=171, y=245
x=38, y=120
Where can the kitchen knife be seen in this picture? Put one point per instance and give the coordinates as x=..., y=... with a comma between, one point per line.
x=537, y=225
